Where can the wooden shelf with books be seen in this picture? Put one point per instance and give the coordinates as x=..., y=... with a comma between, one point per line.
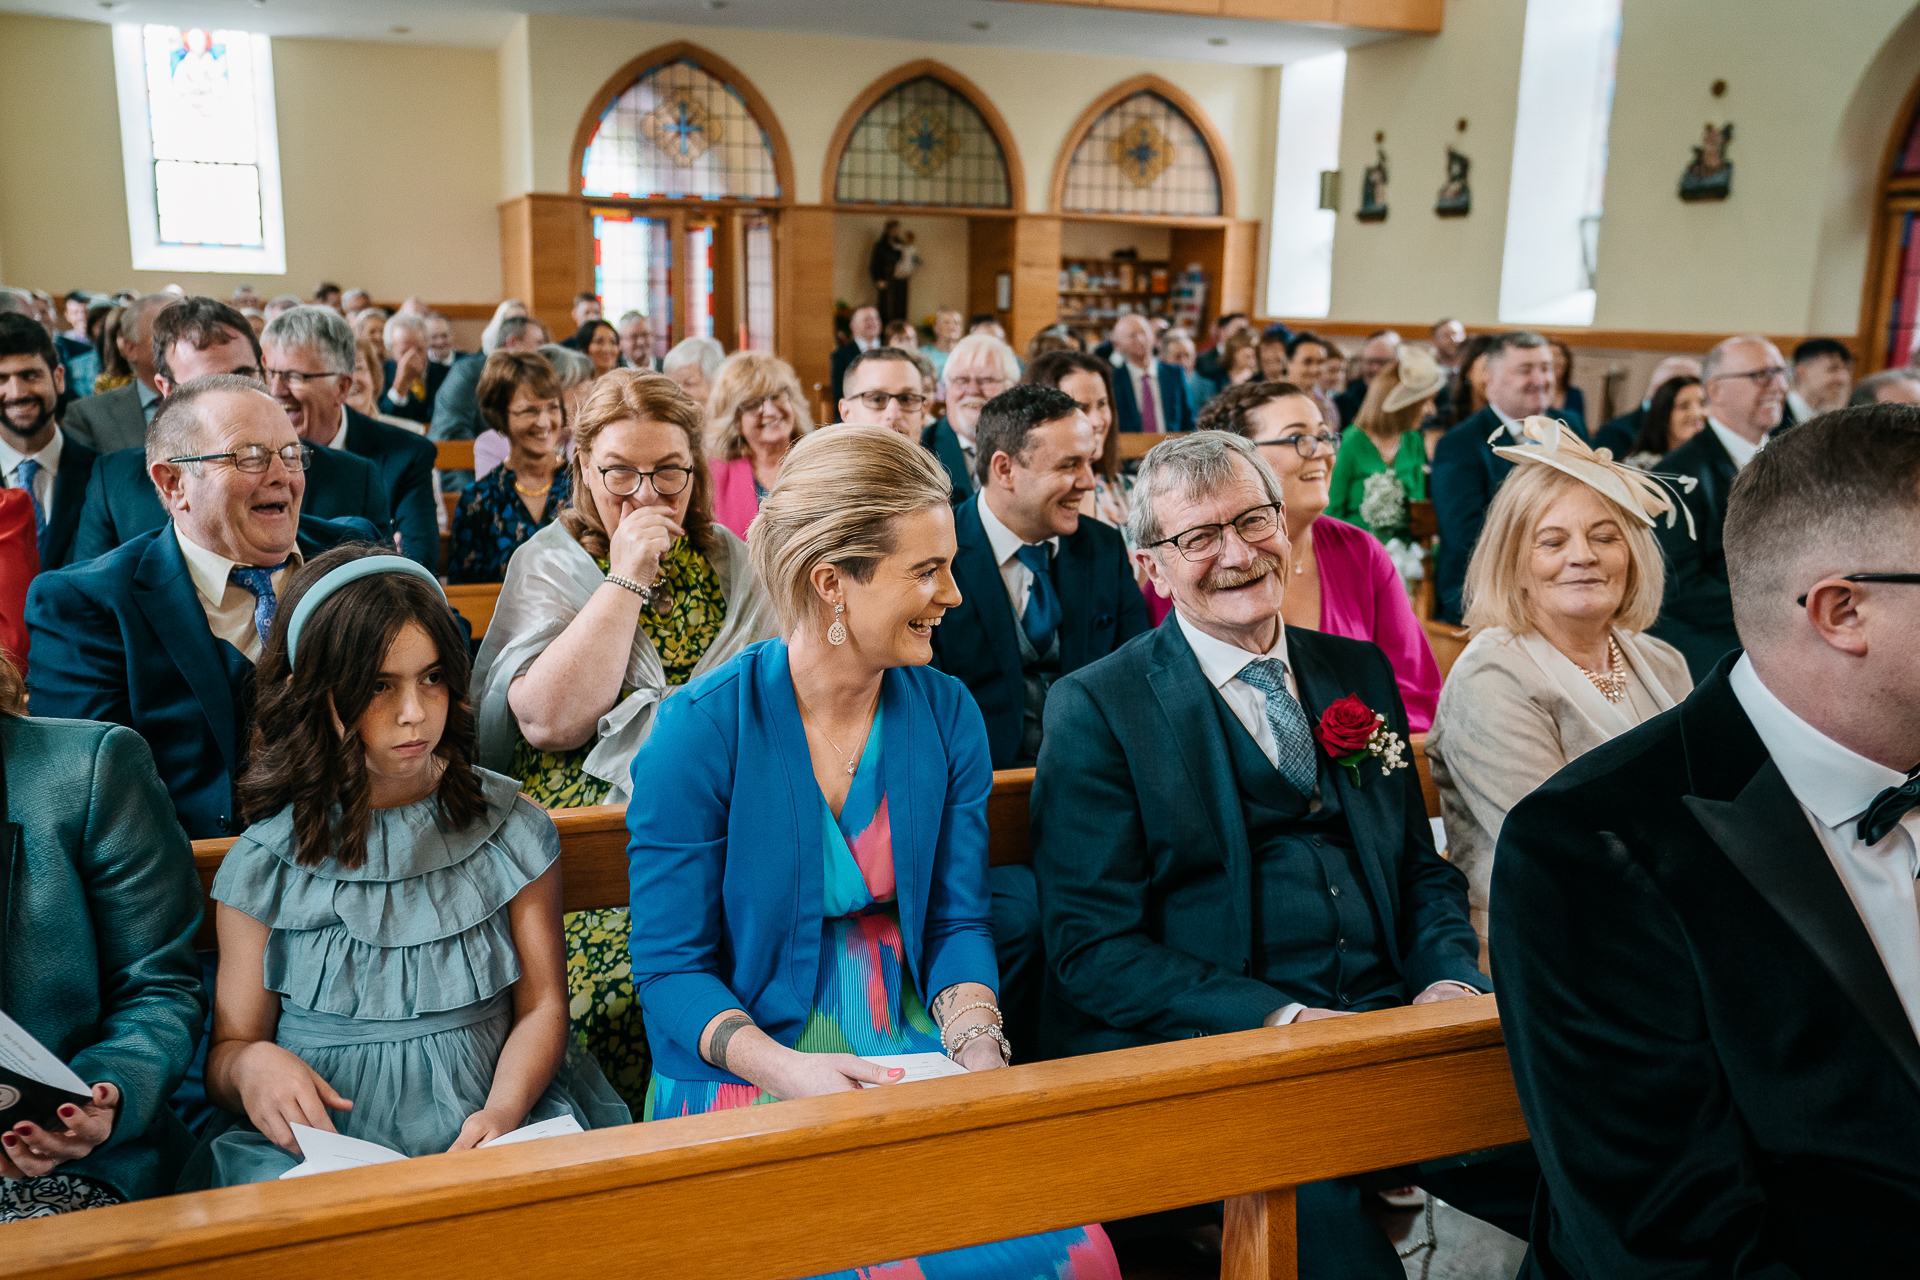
x=1095, y=292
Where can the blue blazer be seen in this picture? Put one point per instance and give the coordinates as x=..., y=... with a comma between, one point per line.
x=729, y=882
x=124, y=639
x=1176, y=414
x=1101, y=608
x=69, y=498
x=938, y=438
x=1466, y=471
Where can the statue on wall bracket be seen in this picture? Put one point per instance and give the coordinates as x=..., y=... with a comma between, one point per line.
x=1456, y=197
x=1373, y=190
x=1710, y=176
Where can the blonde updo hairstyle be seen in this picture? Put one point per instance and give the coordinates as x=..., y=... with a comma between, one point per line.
x=835, y=503
x=621, y=395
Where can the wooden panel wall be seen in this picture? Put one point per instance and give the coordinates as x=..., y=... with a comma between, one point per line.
x=546, y=256
x=803, y=296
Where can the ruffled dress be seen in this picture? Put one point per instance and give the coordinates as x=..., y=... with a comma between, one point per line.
x=395, y=977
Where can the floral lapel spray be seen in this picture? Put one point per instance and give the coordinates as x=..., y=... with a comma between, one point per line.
x=1352, y=733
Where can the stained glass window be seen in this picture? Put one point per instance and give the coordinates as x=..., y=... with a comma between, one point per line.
x=923, y=144
x=678, y=131
x=633, y=267
x=1143, y=156
x=1907, y=161
x=759, y=334
x=198, y=135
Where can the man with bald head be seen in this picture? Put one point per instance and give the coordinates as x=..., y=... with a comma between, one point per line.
x=118, y=419
x=1618, y=434
x=1745, y=380
x=1148, y=394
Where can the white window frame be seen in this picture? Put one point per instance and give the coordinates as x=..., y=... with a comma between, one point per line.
x=136, y=150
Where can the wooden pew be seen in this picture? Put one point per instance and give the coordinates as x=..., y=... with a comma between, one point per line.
x=1135, y=444
x=476, y=602
x=453, y=455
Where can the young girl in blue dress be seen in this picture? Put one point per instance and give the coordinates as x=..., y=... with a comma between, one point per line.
x=391, y=964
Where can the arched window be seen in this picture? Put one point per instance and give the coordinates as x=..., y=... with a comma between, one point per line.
x=679, y=132
x=1142, y=154
x=921, y=141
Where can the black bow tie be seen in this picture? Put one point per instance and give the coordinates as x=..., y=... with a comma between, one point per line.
x=1891, y=805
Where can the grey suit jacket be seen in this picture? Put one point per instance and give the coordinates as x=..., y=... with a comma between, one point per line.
x=108, y=422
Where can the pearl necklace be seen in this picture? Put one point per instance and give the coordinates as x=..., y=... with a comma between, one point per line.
x=1613, y=683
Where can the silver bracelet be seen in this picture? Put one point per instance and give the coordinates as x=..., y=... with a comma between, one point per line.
x=999, y=1018
x=974, y=1032
x=643, y=590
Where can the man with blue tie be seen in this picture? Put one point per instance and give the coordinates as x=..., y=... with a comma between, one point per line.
x=34, y=455
x=1148, y=394
x=1046, y=591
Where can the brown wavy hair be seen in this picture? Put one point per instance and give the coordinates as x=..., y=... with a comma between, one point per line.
x=621, y=395
x=296, y=756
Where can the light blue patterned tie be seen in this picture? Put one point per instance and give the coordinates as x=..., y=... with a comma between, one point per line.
x=1292, y=734
x=26, y=471
x=259, y=584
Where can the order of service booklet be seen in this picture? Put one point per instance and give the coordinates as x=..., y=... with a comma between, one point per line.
x=34, y=1084
x=330, y=1152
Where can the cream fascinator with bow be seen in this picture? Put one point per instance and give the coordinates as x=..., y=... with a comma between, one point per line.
x=1549, y=443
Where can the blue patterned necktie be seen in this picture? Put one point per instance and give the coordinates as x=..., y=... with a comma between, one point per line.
x=1292, y=735
x=259, y=584
x=26, y=471
x=1042, y=617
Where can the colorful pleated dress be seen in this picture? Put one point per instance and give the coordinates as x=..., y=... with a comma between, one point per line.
x=395, y=976
x=865, y=1004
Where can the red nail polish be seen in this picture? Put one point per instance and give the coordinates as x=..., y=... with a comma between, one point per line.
x=9, y=1139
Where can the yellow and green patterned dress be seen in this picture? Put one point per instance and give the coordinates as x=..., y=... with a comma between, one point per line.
x=605, y=1014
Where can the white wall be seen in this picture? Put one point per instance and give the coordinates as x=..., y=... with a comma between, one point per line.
x=1300, y=235
x=941, y=280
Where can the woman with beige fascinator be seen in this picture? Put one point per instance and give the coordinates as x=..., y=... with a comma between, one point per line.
x=1565, y=580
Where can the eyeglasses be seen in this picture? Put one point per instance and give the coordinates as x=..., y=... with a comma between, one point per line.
x=991, y=383
x=1306, y=446
x=294, y=378
x=1908, y=578
x=256, y=458
x=877, y=400
x=533, y=413
x=1202, y=542
x=755, y=405
x=624, y=482
x=1759, y=377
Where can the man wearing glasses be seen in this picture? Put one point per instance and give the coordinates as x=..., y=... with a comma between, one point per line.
x=979, y=367
x=1745, y=380
x=197, y=338
x=883, y=389
x=1204, y=865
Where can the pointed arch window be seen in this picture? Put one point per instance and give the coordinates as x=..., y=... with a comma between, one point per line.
x=923, y=143
x=1143, y=155
x=680, y=132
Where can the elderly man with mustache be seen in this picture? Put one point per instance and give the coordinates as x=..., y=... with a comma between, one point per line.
x=1227, y=833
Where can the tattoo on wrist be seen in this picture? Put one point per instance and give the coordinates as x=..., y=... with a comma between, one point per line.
x=722, y=1035
x=942, y=1004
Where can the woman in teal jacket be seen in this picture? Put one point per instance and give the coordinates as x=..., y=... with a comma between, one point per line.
x=98, y=907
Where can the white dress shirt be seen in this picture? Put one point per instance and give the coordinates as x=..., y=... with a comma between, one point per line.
x=1834, y=786
x=1738, y=447
x=1221, y=663
x=1798, y=406
x=1006, y=546
x=49, y=460
x=1511, y=423
x=229, y=605
x=339, y=440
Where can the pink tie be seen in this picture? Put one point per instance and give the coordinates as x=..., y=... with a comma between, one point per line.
x=1149, y=412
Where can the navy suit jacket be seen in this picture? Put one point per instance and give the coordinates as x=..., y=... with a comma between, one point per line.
x=1101, y=608
x=1176, y=413
x=726, y=828
x=945, y=445
x=1696, y=615
x=405, y=461
x=420, y=410
x=69, y=497
x=1466, y=471
x=836, y=378
x=122, y=503
x=124, y=639
x=1146, y=873
x=1618, y=434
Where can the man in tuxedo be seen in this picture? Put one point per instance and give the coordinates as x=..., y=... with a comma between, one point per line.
x=1745, y=382
x=1710, y=993
x=979, y=368
x=309, y=370
x=1148, y=394
x=1047, y=591
x=1618, y=434
x=1204, y=866
x=33, y=453
x=1381, y=349
x=413, y=380
x=864, y=327
x=1466, y=470
x=884, y=389
x=118, y=419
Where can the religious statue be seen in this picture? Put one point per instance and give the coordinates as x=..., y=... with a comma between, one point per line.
x=1710, y=176
x=1373, y=190
x=1456, y=197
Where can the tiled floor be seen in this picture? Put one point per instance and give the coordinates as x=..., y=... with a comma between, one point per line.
x=1464, y=1249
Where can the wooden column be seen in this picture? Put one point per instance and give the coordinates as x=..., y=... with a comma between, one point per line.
x=1258, y=1240
x=803, y=296
x=546, y=255
x=1027, y=248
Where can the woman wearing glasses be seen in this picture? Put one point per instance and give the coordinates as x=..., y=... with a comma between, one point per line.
x=754, y=415
x=1341, y=580
x=521, y=399
x=630, y=592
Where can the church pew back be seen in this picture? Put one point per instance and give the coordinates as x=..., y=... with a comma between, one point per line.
x=1244, y=1117
x=453, y=455
x=476, y=602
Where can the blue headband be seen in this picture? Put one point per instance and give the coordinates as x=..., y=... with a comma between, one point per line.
x=351, y=571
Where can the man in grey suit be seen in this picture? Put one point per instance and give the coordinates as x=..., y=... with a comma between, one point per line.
x=118, y=419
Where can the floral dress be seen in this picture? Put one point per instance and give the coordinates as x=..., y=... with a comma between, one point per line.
x=492, y=521
x=604, y=1011
x=864, y=1002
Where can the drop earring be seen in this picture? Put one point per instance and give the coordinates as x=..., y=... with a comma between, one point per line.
x=837, y=633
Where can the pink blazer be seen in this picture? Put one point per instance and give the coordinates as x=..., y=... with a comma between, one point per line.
x=1361, y=597
x=735, y=504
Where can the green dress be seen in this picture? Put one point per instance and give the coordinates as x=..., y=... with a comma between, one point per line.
x=1358, y=462
x=605, y=1014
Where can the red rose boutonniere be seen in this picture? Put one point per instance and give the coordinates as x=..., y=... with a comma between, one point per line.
x=1352, y=732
